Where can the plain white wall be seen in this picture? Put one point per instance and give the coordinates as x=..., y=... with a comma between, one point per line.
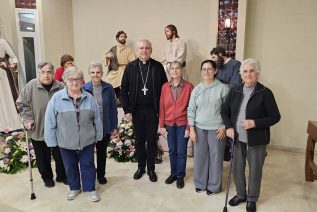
x=282, y=36
x=96, y=23
x=7, y=16
x=56, y=23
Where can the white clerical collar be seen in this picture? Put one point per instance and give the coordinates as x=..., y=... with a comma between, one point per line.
x=144, y=62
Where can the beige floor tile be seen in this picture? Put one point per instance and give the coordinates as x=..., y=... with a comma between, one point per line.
x=283, y=189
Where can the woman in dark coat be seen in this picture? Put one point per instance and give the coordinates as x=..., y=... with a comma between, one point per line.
x=248, y=112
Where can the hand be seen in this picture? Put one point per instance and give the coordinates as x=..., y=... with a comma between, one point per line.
x=230, y=133
x=13, y=65
x=162, y=131
x=109, y=55
x=29, y=126
x=186, y=134
x=128, y=116
x=192, y=135
x=248, y=124
x=3, y=64
x=221, y=133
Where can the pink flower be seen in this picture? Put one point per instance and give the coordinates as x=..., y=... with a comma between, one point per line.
x=15, y=134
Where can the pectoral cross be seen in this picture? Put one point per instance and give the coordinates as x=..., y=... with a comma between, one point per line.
x=144, y=89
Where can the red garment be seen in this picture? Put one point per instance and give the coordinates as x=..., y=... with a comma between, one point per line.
x=174, y=112
x=59, y=75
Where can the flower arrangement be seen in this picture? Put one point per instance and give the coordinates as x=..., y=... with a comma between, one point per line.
x=122, y=143
x=13, y=152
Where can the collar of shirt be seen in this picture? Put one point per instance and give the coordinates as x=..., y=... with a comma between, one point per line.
x=180, y=84
x=227, y=60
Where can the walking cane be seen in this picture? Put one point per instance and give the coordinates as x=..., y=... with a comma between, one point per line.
x=233, y=146
x=29, y=155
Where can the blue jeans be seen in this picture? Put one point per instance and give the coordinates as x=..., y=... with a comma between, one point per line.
x=177, y=146
x=85, y=158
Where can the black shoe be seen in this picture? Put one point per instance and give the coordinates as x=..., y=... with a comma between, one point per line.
x=251, y=206
x=209, y=193
x=170, y=179
x=158, y=160
x=152, y=175
x=180, y=183
x=65, y=181
x=138, y=174
x=102, y=180
x=236, y=201
x=49, y=183
x=198, y=190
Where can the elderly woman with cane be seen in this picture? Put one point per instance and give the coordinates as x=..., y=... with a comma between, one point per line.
x=249, y=111
x=32, y=102
x=72, y=122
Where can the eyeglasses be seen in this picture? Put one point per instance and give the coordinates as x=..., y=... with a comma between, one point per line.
x=207, y=69
x=71, y=80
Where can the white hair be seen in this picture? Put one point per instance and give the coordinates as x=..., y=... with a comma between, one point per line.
x=253, y=62
x=142, y=41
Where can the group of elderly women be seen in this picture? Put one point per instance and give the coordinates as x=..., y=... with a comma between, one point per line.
x=206, y=114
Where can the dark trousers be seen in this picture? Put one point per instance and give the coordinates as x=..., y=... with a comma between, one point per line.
x=85, y=158
x=101, y=147
x=117, y=91
x=43, y=160
x=177, y=145
x=255, y=157
x=145, y=124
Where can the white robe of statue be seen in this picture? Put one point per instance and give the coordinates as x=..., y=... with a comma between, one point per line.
x=9, y=117
x=8, y=114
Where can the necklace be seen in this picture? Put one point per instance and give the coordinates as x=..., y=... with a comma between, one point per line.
x=144, y=89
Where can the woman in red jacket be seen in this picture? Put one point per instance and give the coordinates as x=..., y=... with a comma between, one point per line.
x=173, y=120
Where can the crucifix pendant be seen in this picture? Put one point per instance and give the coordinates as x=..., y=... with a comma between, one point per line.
x=144, y=89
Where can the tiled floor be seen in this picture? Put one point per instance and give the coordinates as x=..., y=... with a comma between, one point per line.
x=283, y=189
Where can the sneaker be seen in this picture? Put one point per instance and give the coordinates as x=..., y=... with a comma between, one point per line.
x=49, y=183
x=93, y=196
x=72, y=194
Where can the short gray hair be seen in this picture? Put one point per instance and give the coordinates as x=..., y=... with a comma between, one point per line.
x=71, y=71
x=146, y=41
x=44, y=63
x=95, y=65
x=253, y=62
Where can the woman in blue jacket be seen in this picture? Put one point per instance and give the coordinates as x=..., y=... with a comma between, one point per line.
x=72, y=122
x=105, y=97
